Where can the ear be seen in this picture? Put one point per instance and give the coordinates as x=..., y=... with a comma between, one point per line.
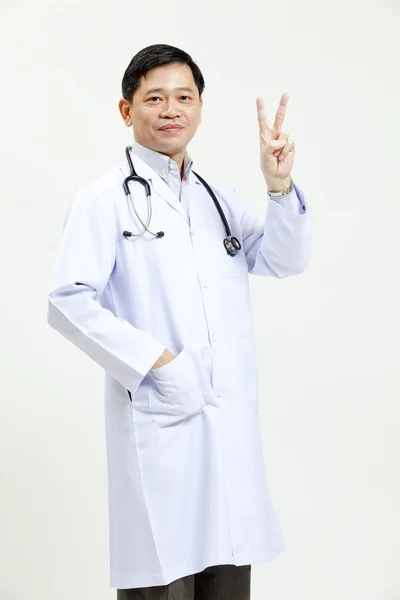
x=125, y=110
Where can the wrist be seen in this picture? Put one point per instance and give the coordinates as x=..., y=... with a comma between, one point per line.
x=278, y=186
x=165, y=358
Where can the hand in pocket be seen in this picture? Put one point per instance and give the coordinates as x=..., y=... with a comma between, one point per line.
x=178, y=389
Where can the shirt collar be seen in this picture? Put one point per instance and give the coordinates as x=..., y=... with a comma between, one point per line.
x=160, y=163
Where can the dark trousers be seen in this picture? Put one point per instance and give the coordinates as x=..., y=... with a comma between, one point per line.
x=222, y=582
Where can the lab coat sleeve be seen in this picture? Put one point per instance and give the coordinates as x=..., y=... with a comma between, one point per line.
x=278, y=243
x=83, y=266
x=292, y=202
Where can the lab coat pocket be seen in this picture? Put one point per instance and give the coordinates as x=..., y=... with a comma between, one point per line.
x=233, y=266
x=177, y=390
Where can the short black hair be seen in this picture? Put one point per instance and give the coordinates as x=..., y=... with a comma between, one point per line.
x=156, y=56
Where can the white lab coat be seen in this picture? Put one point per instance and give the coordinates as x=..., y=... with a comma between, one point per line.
x=186, y=477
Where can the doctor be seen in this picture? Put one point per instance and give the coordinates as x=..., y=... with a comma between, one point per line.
x=169, y=321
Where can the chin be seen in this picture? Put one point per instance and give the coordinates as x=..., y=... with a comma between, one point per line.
x=170, y=144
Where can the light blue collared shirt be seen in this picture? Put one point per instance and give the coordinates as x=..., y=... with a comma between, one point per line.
x=168, y=170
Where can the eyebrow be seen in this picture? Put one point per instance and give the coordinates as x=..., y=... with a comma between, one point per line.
x=181, y=89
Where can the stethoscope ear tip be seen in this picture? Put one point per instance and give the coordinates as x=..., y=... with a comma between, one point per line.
x=160, y=234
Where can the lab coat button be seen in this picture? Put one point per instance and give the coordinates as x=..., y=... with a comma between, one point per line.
x=214, y=337
x=219, y=392
x=204, y=283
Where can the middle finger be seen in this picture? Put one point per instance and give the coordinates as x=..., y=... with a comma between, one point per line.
x=280, y=113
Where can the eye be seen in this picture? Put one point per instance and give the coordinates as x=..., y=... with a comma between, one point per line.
x=158, y=98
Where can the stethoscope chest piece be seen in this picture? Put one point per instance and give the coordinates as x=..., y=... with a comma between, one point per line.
x=232, y=245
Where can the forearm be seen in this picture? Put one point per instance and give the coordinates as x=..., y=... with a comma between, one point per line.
x=124, y=351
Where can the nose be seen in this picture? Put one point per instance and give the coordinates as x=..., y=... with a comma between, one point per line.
x=170, y=109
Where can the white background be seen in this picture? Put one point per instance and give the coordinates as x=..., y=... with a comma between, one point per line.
x=327, y=340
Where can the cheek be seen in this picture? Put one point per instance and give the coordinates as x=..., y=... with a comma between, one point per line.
x=194, y=124
x=147, y=120
x=145, y=117
x=197, y=117
x=145, y=124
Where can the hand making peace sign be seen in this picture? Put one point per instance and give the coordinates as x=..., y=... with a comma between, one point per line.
x=276, y=149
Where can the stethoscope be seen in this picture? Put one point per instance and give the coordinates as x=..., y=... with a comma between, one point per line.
x=231, y=244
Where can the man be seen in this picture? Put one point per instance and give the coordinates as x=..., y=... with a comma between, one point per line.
x=168, y=318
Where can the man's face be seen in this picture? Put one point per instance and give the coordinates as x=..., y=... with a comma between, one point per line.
x=168, y=95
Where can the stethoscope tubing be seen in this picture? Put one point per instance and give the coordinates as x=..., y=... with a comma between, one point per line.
x=232, y=244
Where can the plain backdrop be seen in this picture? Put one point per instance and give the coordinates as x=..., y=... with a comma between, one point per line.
x=327, y=340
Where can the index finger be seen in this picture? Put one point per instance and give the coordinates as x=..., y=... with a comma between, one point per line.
x=261, y=115
x=281, y=112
